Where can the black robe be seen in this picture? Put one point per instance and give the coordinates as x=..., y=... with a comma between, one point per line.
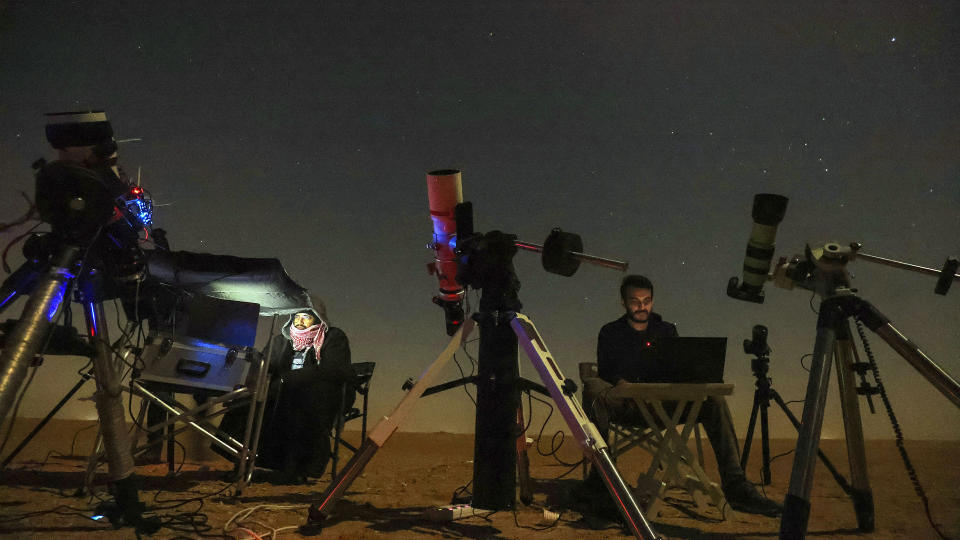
x=301, y=407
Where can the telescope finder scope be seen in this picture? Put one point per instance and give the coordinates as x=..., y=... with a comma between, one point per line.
x=768, y=212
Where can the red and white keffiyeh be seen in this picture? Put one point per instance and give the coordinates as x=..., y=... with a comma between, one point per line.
x=313, y=335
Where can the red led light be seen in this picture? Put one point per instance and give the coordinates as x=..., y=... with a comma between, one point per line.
x=647, y=344
x=136, y=190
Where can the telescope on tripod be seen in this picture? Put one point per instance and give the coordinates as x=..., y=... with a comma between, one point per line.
x=465, y=258
x=92, y=254
x=822, y=270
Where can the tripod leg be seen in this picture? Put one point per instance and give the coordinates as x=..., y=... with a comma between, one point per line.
x=765, y=477
x=523, y=461
x=841, y=481
x=92, y=463
x=796, y=505
x=26, y=339
x=749, y=440
x=20, y=282
x=109, y=403
x=853, y=430
x=910, y=352
x=319, y=512
x=26, y=440
x=584, y=432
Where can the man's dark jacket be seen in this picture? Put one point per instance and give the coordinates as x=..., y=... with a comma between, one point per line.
x=301, y=405
x=619, y=346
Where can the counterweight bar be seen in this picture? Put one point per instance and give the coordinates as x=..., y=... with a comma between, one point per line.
x=582, y=257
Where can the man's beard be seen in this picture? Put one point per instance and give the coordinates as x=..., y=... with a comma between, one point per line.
x=639, y=316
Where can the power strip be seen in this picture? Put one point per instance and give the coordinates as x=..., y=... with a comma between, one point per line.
x=450, y=513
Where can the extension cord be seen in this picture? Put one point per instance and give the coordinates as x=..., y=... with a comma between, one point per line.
x=450, y=513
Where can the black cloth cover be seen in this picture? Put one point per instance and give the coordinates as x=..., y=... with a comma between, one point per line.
x=260, y=281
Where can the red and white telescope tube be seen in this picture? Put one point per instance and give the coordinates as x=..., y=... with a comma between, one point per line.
x=445, y=192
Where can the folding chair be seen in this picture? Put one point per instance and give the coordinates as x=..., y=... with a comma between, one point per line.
x=673, y=465
x=363, y=372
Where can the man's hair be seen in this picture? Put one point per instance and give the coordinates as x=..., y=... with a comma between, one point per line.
x=635, y=281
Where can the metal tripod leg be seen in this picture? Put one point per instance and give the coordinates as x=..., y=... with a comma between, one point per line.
x=796, y=505
x=95, y=453
x=26, y=339
x=318, y=513
x=765, y=477
x=584, y=432
x=56, y=408
x=761, y=402
x=841, y=481
x=748, y=441
x=853, y=429
x=109, y=403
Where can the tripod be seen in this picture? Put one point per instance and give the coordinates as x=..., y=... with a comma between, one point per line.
x=824, y=272
x=502, y=329
x=91, y=253
x=760, y=365
x=48, y=282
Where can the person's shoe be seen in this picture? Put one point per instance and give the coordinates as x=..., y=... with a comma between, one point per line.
x=743, y=497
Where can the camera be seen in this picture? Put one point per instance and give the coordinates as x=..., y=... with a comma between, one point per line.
x=758, y=345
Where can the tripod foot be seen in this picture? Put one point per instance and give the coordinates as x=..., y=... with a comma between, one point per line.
x=793, y=523
x=315, y=519
x=129, y=508
x=863, y=506
x=314, y=524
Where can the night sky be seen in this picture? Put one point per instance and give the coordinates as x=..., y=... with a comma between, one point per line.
x=304, y=131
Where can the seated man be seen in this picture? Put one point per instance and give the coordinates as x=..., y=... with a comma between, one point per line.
x=309, y=364
x=618, y=344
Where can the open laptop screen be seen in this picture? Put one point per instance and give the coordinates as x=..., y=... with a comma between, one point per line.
x=681, y=360
x=219, y=321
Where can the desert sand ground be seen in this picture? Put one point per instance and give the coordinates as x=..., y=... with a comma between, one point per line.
x=414, y=472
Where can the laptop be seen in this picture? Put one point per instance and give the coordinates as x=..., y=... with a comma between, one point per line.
x=681, y=360
x=215, y=320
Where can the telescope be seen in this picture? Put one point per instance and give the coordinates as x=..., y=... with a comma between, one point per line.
x=96, y=219
x=768, y=212
x=455, y=242
x=822, y=270
x=465, y=258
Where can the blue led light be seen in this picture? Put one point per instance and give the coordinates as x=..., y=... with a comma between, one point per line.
x=57, y=301
x=141, y=210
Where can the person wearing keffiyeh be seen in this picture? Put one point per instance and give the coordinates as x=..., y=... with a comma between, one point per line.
x=309, y=366
x=306, y=330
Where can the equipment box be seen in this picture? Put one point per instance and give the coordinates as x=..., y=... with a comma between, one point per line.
x=185, y=362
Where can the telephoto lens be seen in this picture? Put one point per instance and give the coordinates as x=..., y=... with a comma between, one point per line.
x=768, y=212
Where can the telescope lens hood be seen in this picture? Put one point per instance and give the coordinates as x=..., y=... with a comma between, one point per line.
x=769, y=208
